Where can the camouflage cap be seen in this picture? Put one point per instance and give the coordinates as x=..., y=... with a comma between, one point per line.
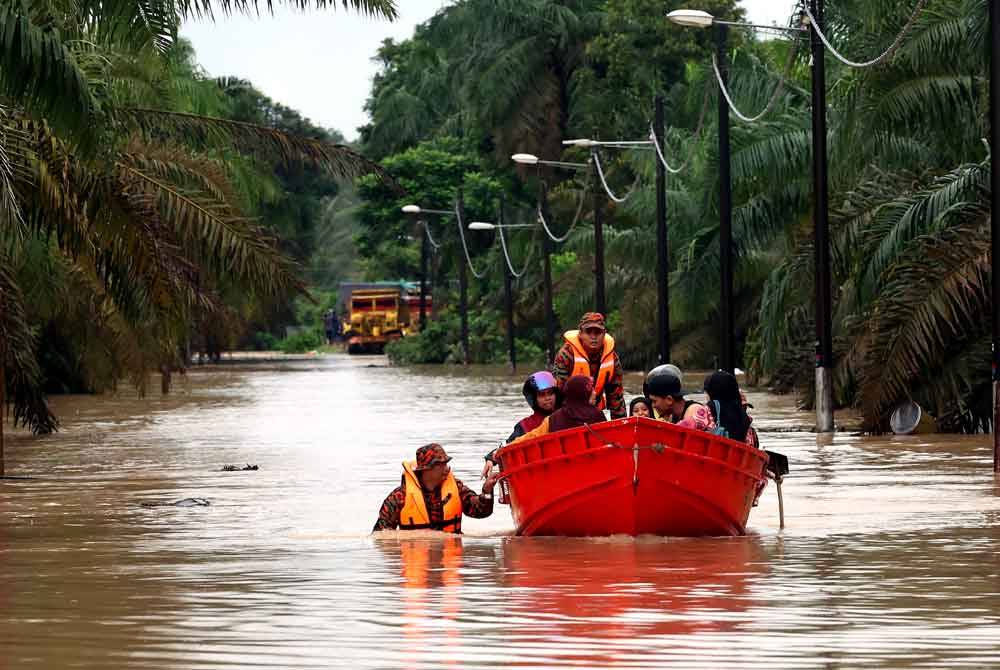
x=592, y=317
x=430, y=455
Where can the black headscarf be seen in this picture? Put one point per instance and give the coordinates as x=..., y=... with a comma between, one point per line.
x=723, y=388
x=576, y=409
x=641, y=400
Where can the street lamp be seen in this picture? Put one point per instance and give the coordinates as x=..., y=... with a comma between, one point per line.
x=662, y=250
x=414, y=211
x=599, y=295
x=821, y=240
x=508, y=281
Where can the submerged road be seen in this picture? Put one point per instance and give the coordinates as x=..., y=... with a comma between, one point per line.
x=891, y=557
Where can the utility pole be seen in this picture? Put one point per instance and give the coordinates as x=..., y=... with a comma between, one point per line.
x=508, y=294
x=994, y=224
x=821, y=241
x=662, y=257
x=550, y=317
x=600, y=300
x=728, y=339
x=425, y=253
x=463, y=285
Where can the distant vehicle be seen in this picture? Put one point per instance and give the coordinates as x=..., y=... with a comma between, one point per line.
x=378, y=313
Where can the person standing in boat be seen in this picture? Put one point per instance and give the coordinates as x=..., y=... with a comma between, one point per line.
x=663, y=388
x=577, y=410
x=430, y=497
x=541, y=391
x=590, y=351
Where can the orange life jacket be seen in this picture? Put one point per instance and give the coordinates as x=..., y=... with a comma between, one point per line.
x=581, y=363
x=414, y=514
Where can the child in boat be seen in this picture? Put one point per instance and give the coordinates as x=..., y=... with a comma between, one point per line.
x=641, y=407
x=576, y=410
x=541, y=391
x=727, y=406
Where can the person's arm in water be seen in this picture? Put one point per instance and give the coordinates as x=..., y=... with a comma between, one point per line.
x=477, y=505
x=615, y=393
x=388, y=514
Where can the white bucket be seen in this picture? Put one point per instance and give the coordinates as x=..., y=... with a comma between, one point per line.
x=911, y=419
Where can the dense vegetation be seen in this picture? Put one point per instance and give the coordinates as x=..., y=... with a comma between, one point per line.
x=141, y=202
x=909, y=183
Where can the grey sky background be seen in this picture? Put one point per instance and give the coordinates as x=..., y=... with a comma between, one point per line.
x=319, y=62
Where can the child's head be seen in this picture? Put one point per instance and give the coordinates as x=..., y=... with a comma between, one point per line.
x=641, y=407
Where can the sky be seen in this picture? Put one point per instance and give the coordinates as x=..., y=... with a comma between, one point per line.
x=320, y=62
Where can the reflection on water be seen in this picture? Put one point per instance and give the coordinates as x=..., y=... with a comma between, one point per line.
x=891, y=557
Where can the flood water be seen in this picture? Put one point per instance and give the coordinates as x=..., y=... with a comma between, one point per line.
x=890, y=558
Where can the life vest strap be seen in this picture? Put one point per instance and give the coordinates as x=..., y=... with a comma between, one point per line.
x=430, y=526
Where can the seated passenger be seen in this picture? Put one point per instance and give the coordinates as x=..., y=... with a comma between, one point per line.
x=576, y=410
x=640, y=407
x=728, y=408
x=542, y=394
x=663, y=388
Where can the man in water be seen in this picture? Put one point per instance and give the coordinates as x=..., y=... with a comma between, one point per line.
x=430, y=497
x=590, y=351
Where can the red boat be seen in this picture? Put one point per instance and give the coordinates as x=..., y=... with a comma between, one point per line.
x=631, y=476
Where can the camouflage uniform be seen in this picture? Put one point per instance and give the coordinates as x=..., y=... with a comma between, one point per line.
x=476, y=505
x=614, y=393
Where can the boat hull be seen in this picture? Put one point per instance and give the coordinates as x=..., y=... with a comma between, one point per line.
x=632, y=477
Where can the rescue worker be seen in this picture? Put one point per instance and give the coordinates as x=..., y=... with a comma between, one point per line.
x=541, y=392
x=663, y=388
x=576, y=411
x=430, y=497
x=590, y=351
x=727, y=406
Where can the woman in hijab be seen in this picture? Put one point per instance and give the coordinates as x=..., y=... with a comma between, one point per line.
x=728, y=408
x=575, y=411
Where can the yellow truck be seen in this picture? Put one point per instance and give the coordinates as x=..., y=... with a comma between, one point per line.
x=378, y=313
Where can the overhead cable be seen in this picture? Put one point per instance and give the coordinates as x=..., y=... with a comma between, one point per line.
x=465, y=247
x=885, y=55
x=604, y=182
x=775, y=95
x=576, y=217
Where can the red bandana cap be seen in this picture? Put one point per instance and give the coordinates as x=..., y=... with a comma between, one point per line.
x=592, y=317
x=430, y=455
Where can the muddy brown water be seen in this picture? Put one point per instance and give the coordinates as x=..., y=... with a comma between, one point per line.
x=891, y=557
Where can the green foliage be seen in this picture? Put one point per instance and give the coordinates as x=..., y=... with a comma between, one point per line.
x=302, y=341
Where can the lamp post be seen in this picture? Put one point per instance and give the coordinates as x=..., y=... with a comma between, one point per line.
x=463, y=306
x=600, y=301
x=414, y=211
x=508, y=281
x=824, y=337
x=994, y=18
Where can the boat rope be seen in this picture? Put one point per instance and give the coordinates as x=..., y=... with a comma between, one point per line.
x=775, y=95
x=885, y=55
x=465, y=247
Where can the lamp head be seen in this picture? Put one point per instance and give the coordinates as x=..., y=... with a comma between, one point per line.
x=411, y=209
x=694, y=18
x=481, y=225
x=582, y=143
x=525, y=159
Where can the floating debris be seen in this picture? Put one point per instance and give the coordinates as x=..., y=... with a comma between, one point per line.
x=186, y=502
x=236, y=468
